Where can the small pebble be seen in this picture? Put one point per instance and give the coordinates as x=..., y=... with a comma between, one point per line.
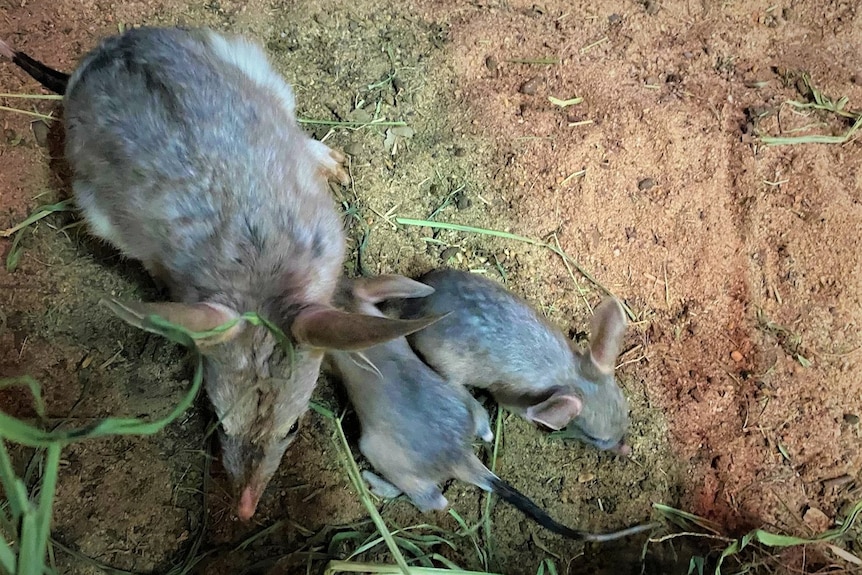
x=615, y=19
x=12, y=137
x=463, y=202
x=491, y=63
x=617, y=252
x=450, y=253
x=851, y=418
x=837, y=482
x=736, y=355
x=646, y=184
x=459, y=151
x=40, y=132
x=586, y=477
x=353, y=149
x=359, y=115
x=530, y=87
x=651, y=7
x=816, y=519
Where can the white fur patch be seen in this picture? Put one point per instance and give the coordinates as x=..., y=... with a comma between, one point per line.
x=6, y=50
x=99, y=223
x=251, y=60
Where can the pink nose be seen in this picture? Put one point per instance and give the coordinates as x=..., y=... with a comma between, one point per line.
x=247, y=503
x=623, y=449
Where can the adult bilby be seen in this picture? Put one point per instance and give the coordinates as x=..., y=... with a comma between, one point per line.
x=186, y=155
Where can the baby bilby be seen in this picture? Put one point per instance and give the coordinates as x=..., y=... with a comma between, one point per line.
x=417, y=428
x=495, y=340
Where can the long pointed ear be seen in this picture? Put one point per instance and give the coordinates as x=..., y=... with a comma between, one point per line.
x=329, y=328
x=607, y=330
x=384, y=287
x=555, y=412
x=194, y=317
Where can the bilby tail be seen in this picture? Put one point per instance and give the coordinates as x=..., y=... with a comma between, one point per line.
x=490, y=482
x=52, y=79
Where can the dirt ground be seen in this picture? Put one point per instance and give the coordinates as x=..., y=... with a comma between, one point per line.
x=740, y=261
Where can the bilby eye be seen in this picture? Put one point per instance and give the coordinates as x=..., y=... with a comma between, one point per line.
x=293, y=428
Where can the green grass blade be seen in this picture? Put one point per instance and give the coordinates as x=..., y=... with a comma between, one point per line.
x=28, y=113
x=489, y=497
x=35, y=521
x=25, y=434
x=46, y=496
x=778, y=540
x=686, y=520
x=450, y=565
x=813, y=139
x=15, y=252
x=15, y=490
x=343, y=536
x=32, y=96
x=471, y=229
x=321, y=409
x=509, y=236
x=353, y=567
x=358, y=484
x=564, y=103
x=337, y=124
x=8, y=562
x=40, y=213
x=414, y=550
x=30, y=557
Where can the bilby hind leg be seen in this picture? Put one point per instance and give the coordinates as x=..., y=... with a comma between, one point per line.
x=481, y=421
x=380, y=487
x=429, y=499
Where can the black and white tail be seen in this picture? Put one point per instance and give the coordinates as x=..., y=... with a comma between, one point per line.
x=524, y=504
x=48, y=77
x=473, y=471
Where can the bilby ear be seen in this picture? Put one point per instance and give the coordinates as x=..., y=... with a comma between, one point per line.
x=328, y=328
x=198, y=317
x=607, y=330
x=555, y=412
x=384, y=287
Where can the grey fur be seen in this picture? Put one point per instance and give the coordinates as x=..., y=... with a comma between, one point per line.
x=417, y=427
x=494, y=340
x=187, y=156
